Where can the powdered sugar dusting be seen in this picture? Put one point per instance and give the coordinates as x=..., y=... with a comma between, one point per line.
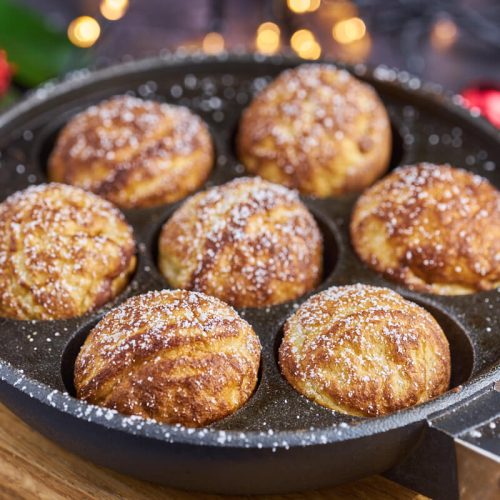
x=364, y=350
x=134, y=152
x=440, y=229
x=316, y=128
x=123, y=121
x=249, y=242
x=177, y=356
x=320, y=99
x=60, y=252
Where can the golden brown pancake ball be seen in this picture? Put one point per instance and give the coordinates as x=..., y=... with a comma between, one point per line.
x=433, y=228
x=318, y=129
x=365, y=351
x=176, y=356
x=249, y=242
x=133, y=152
x=63, y=252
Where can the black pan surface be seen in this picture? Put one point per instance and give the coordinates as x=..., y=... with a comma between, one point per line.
x=279, y=441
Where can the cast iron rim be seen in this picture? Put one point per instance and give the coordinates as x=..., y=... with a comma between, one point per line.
x=208, y=436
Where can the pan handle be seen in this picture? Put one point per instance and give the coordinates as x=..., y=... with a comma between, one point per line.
x=459, y=453
x=475, y=430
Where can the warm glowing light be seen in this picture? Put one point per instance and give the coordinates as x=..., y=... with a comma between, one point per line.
x=314, y=5
x=305, y=45
x=310, y=50
x=269, y=26
x=113, y=9
x=299, y=6
x=349, y=30
x=84, y=31
x=268, y=38
x=444, y=34
x=300, y=37
x=213, y=43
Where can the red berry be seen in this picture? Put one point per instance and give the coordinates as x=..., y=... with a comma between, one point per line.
x=486, y=98
x=5, y=72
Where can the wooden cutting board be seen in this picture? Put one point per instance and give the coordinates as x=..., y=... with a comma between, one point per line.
x=32, y=467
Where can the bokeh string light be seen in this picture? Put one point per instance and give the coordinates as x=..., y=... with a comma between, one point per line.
x=314, y=5
x=349, y=30
x=444, y=34
x=352, y=41
x=213, y=43
x=305, y=45
x=303, y=6
x=298, y=6
x=113, y=9
x=84, y=31
x=268, y=37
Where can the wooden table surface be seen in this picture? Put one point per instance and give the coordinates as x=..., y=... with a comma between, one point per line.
x=32, y=467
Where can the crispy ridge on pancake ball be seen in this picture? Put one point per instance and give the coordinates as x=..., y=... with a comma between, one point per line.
x=136, y=153
x=249, y=242
x=364, y=351
x=432, y=228
x=318, y=129
x=63, y=252
x=175, y=356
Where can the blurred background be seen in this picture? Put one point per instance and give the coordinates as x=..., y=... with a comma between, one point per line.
x=455, y=43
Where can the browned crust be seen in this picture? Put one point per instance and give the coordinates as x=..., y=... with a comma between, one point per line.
x=133, y=152
x=63, y=252
x=433, y=228
x=318, y=129
x=249, y=242
x=175, y=356
x=364, y=351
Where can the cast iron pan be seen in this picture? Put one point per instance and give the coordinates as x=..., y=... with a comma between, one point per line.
x=279, y=441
